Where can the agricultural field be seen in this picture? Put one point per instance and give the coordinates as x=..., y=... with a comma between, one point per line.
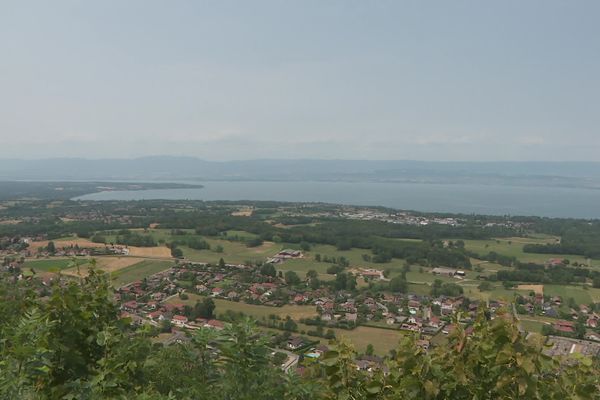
x=108, y=264
x=138, y=271
x=256, y=311
x=54, y=264
x=531, y=325
x=355, y=257
x=578, y=293
x=233, y=252
x=383, y=340
x=513, y=247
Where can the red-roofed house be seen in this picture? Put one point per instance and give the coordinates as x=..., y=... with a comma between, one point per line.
x=179, y=320
x=564, y=326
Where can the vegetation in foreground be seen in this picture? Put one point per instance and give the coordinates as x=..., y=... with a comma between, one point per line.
x=72, y=345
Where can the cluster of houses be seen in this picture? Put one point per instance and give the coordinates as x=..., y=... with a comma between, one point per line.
x=538, y=304
x=404, y=218
x=147, y=301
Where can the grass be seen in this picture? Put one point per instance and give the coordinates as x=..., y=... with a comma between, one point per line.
x=233, y=252
x=513, y=247
x=532, y=326
x=138, y=271
x=354, y=257
x=578, y=293
x=256, y=311
x=383, y=340
x=55, y=264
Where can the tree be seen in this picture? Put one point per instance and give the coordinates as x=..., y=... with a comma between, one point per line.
x=268, y=269
x=291, y=278
x=176, y=252
x=312, y=274
x=221, y=263
x=305, y=246
x=370, y=350
x=205, y=308
x=219, y=248
x=398, y=284
x=51, y=248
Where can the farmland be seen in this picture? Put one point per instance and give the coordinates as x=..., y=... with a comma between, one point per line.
x=138, y=271
x=54, y=264
x=256, y=311
x=513, y=247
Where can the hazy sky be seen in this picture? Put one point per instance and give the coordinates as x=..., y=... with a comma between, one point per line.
x=448, y=80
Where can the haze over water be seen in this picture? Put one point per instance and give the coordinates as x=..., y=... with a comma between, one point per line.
x=454, y=198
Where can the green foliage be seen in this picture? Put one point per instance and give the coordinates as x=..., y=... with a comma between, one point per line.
x=291, y=278
x=268, y=269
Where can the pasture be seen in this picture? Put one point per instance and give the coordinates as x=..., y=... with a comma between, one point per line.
x=108, y=264
x=513, y=247
x=54, y=264
x=138, y=271
x=256, y=311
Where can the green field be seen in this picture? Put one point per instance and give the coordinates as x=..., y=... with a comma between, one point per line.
x=256, y=311
x=354, y=257
x=138, y=271
x=578, y=293
x=55, y=264
x=513, y=247
x=233, y=252
x=383, y=340
x=532, y=325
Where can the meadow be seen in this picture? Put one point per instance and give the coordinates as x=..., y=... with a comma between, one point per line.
x=138, y=271
x=54, y=264
x=513, y=247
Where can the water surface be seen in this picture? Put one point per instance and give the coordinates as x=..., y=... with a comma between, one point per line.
x=455, y=198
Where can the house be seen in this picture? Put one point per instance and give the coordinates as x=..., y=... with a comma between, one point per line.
x=424, y=344
x=584, y=309
x=352, y=317
x=300, y=298
x=555, y=262
x=232, y=295
x=216, y=291
x=179, y=320
x=372, y=274
x=443, y=272
x=435, y=322
x=592, y=336
x=295, y=342
x=362, y=365
x=130, y=306
x=564, y=326
x=156, y=316
x=215, y=324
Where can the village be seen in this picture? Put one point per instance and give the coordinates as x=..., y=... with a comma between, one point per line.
x=165, y=300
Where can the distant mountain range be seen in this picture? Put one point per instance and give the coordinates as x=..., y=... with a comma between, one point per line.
x=167, y=168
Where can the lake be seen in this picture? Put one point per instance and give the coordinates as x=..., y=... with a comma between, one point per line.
x=454, y=198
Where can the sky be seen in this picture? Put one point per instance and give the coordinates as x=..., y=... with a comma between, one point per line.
x=227, y=80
